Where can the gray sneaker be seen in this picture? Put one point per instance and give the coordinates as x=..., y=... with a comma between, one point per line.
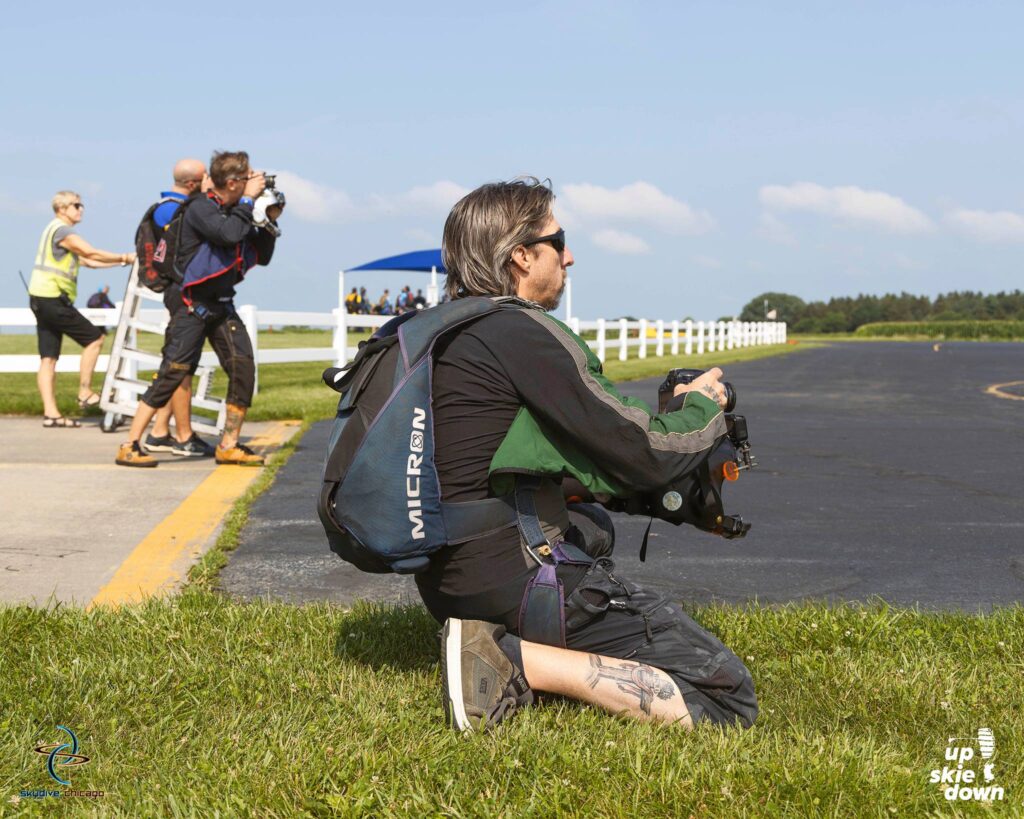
x=194, y=447
x=481, y=685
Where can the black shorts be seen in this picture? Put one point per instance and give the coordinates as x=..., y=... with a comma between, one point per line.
x=175, y=306
x=186, y=334
x=57, y=317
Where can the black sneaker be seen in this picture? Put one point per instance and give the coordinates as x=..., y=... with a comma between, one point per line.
x=165, y=443
x=481, y=685
x=194, y=447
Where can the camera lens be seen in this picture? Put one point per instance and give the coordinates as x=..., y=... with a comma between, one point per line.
x=730, y=396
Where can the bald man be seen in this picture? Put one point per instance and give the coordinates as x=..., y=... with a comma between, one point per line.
x=189, y=178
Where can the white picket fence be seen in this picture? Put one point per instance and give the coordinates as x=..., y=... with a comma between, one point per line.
x=648, y=337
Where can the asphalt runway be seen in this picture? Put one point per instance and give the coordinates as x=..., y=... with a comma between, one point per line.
x=885, y=471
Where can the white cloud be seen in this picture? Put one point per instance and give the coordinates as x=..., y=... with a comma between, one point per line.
x=314, y=202
x=618, y=241
x=438, y=197
x=12, y=204
x=905, y=262
x=638, y=202
x=772, y=228
x=848, y=203
x=424, y=237
x=988, y=225
x=709, y=262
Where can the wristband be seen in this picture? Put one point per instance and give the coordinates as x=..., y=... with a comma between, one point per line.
x=246, y=200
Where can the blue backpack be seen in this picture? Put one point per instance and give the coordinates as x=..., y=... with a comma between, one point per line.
x=380, y=502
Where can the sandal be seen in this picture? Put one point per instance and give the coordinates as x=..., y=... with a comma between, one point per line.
x=60, y=421
x=90, y=401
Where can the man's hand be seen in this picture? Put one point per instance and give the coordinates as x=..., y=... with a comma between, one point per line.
x=207, y=184
x=255, y=184
x=709, y=384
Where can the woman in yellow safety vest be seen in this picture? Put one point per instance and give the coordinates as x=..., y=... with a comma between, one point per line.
x=52, y=293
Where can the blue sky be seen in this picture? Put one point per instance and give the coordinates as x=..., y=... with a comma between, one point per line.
x=701, y=152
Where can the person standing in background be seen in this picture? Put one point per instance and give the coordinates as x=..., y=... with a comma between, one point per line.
x=189, y=176
x=52, y=292
x=100, y=300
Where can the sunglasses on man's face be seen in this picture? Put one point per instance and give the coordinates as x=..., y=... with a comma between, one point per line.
x=557, y=240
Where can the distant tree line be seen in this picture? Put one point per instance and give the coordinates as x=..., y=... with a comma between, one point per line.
x=845, y=314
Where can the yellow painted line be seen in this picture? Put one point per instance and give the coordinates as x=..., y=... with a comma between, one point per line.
x=997, y=390
x=160, y=562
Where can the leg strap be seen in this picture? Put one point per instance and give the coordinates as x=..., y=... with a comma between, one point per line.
x=542, y=612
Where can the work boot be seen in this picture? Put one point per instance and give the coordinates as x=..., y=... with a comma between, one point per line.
x=482, y=687
x=238, y=455
x=131, y=454
x=194, y=447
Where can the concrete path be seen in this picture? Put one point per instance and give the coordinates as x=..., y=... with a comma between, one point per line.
x=78, y=529
x=887, y=470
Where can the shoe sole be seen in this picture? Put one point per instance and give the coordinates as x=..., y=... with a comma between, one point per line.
x=159, y=447
x=136, y=464
x=183, y=454
x=451, y=672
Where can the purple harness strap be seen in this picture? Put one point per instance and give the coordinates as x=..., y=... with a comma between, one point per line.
x=542, y=612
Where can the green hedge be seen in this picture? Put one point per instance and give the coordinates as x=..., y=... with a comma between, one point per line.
x=967, y=330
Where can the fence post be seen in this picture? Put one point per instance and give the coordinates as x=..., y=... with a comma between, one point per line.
x=711, y=336
x=574, y=325
x=601, y=343
x=785, y=329
x=721, y=335
x=340, y=341
x=247, y=313
x=643, y=338
x=745, y=333
x=659, y=347
x=689, y=336
x=623, y=340
x=700, y=337
x=675, y=336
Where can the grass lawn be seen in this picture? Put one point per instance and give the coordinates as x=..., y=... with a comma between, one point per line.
x=202, y=706
x=295, y=390
x=198, y=706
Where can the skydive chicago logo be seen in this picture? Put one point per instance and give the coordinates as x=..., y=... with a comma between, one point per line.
x=963, y=781
x=59, y=756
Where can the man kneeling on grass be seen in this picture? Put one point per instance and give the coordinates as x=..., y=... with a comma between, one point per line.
x=516, y=393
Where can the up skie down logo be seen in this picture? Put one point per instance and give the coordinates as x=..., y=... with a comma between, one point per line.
x=61, y=754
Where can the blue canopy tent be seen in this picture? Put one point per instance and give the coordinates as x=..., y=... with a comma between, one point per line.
x=419, y=261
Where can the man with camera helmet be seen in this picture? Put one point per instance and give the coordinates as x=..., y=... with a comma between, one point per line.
x=219, y=243
x=518, y=397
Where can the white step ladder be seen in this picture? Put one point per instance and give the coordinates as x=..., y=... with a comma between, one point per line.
x=119, y=398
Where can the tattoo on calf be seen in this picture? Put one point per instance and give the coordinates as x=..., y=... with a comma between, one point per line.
x=636, y=679
x=233, y=421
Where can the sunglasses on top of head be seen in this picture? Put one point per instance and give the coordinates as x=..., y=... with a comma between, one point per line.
x=557, y=240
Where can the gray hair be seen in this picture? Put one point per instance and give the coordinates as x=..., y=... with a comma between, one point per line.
x=483, y=229
x=62, y=199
